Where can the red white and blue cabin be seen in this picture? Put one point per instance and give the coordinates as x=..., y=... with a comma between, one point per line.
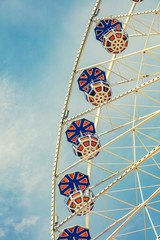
x=112, y=36
x=74, y=186
x=81, y=134
x=75, y=233
x=95, y=86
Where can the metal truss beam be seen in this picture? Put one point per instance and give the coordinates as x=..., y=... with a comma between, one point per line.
x=126, y=15
x=122, y=57
x=89, y=169
x=122, y=176
x=114, y=99
x=136, y=210
x=150, y=116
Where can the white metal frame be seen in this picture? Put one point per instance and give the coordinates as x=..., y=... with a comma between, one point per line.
x=55, y=226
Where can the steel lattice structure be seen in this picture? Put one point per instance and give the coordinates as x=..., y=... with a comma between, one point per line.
x=125, y=175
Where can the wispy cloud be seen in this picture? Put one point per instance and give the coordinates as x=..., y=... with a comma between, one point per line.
x=24, y=161
x=25, y=223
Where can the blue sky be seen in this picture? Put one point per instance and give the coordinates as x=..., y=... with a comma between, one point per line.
x=39, y=41
x=29, y=53
x=36, y=60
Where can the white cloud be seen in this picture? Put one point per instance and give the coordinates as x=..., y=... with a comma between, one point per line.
x=22, y=139
x=25, y=223
x=19, y=227
x=2, y=232
x=29, y=182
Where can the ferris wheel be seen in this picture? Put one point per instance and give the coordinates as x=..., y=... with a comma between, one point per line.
x=106, y=175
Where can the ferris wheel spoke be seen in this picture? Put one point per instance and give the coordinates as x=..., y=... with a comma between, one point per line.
x=140, y=230
x=134, y=213
x=113, y=140
x=144, y=34
x=131, y=169
x=113, y=99
x=131, y=68
x=126, y=15
x=114, y=224
x=153, y=209
x=122, y=57
x=142, y=197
